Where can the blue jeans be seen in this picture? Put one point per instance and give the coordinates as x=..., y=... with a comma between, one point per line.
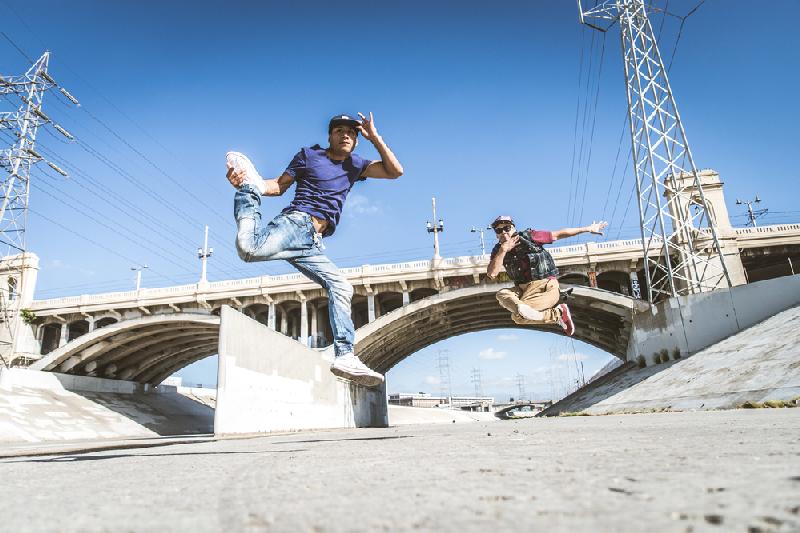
x=291, y=236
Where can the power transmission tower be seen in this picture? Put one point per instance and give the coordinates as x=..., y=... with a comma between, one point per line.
x=15, y=170
x=520, y=387
x=445, y=389
x=476, y=382
x=682, y=253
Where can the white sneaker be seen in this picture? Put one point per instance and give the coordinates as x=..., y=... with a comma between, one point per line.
x=239, y=161
x=350, y=367
x=529, y=313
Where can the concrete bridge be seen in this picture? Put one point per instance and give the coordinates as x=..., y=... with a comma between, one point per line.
x=397, y=308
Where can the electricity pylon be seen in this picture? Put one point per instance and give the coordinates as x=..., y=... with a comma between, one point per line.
x=15, y=170
x=682, y=253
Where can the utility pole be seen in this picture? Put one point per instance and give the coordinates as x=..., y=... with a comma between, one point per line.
x=435, y=228
x=679, y=238
x=444, y=377
x=15, y=172
x=138, y=276
x=203, y=254
x=476, y=381
x=483, y=242
x=752, y=215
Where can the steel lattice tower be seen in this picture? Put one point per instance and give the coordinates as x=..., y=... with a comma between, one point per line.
x=682, y=253
x=15, y=169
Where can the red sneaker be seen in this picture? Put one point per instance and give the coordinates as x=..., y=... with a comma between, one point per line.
x=566, y=320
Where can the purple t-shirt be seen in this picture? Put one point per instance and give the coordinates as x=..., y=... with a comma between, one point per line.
x=323, y=184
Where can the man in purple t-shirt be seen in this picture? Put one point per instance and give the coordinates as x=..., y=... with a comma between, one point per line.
x=324, y=177
x=534, y=297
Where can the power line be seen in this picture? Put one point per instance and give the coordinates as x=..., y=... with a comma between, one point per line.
x=99, y=245
x=594, y=122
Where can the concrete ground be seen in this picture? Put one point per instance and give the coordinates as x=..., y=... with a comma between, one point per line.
x=691, y=471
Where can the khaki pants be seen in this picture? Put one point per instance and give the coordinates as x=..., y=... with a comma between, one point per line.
x=541, y=294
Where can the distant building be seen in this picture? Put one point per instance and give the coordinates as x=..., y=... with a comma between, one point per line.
x=423, y=399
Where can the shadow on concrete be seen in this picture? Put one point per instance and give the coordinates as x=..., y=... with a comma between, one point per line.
x=313, y=441
x=85, y=457
x=166, y=414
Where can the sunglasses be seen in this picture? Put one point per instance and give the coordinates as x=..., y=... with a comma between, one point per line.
x=502, y=229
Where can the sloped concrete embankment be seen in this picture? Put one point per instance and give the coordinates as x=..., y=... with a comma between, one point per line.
x=38, y=407
x=758, y=364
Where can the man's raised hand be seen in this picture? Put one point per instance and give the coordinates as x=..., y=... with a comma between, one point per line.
x=235, y=176
x=367, y=127
x=597, y=227
x=508, y=242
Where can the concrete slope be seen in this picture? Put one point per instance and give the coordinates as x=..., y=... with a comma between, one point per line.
x=36, y=407
x=758, y=364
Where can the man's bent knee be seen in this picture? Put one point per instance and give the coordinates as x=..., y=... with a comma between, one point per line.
x=245, y=248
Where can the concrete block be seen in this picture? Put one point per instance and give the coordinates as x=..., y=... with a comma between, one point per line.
x=691, y=323
x=268, y=382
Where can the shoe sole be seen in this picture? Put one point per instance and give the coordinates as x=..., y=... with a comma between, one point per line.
x=570, y=324
x=364, y=380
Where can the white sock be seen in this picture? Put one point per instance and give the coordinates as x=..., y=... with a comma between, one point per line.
x=529, y=313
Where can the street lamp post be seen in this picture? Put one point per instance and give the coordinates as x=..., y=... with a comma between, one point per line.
x=138, y=276
x=483, y=242
x=752, y=214
x=435, y=228
x=203, y=254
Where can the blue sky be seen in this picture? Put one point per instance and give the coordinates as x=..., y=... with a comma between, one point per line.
x=477, y=100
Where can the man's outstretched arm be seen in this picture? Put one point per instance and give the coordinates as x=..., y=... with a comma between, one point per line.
x=595, y=227
x=278, y=186
x=388, y=167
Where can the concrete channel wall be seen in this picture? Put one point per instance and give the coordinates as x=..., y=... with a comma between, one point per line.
x=685, y=325
x=268, y=382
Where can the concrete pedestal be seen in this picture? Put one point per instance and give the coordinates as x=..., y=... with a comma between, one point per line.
x=268, y=382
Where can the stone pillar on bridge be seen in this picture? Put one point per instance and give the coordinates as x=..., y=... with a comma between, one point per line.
x=314, y=327
x=406, y=293
x=592, y=277
x=303, y=335
x=636, y=291
x=284, y=322
x=371, y=306
x=271, y=316
x=64, y=334
x=90, y=320
x=718, y=212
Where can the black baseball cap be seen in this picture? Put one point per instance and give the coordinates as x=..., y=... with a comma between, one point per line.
x=347, y=120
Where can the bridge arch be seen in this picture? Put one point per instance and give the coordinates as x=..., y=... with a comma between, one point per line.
x=602, y=318
x=146, y=350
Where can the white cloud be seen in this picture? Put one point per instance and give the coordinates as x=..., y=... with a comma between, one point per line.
x=572, y=357
x=511, y=337
x=358, y=204
x=432, y=380
x=490, y=353
x=57, y=263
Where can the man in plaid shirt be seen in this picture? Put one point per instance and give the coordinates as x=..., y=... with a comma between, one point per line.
x=534, y=299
